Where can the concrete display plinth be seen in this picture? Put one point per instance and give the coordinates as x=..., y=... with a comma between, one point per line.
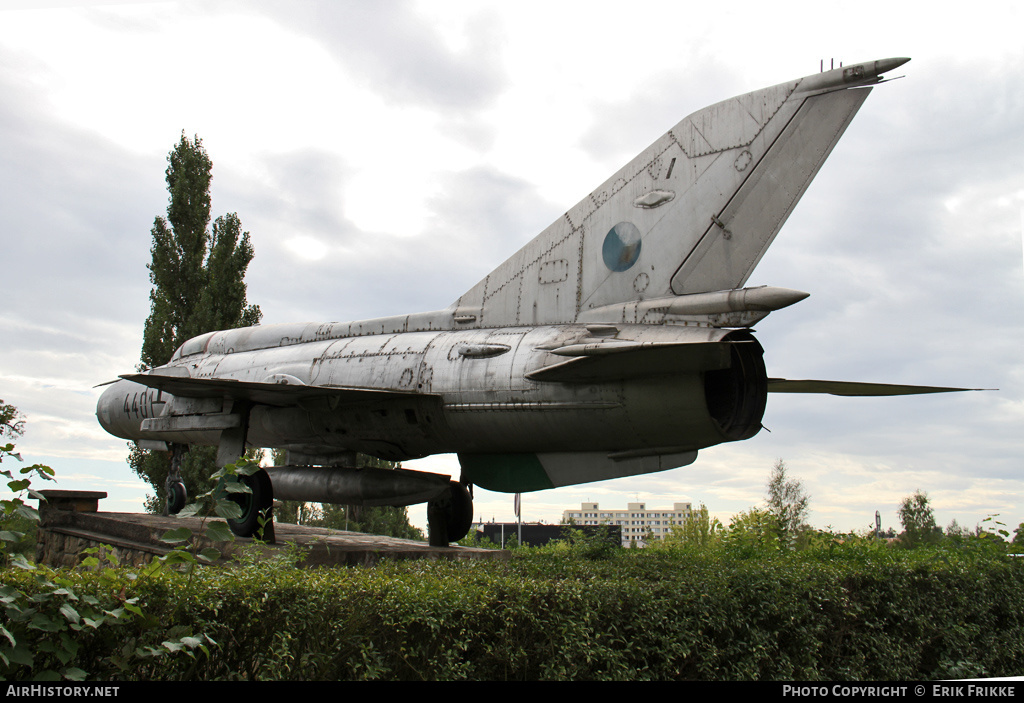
x=70, y=523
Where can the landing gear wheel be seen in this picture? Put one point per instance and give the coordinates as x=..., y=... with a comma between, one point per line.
x=256, y=506
x=450, y=515
x=177, y=497
x=174, y=487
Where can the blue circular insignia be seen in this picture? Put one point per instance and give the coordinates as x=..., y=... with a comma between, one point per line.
x=621, y=246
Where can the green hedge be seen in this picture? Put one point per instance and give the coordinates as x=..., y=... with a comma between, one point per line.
x=842, y=613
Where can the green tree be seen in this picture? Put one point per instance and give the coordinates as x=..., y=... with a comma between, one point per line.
x=222, y=304
x=12, y=423
x=699, y=529
x=754, y=528
x=788, y=503
x=17, y=520
x=388, y=520
x=918, y=520
x=955, y=530
x=1018, y=536
x=198, y=286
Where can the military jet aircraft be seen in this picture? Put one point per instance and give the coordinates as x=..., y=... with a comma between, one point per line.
x=615, y=343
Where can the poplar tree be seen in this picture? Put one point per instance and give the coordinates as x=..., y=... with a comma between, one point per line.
x=199, y=286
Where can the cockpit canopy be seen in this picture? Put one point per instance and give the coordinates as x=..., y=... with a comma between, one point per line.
x=196, y=345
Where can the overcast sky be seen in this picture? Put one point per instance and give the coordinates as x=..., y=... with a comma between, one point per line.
x=385, y=156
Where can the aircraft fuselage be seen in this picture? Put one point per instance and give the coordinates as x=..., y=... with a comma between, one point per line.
x=443, y=391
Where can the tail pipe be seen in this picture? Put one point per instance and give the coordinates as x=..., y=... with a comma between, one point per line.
x=736, y=396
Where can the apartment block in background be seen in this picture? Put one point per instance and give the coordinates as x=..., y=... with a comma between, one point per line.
x=637, y=522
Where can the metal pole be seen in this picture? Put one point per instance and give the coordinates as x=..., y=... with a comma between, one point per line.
x=519, y=518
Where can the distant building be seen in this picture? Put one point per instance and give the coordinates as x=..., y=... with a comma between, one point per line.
x=637, y=522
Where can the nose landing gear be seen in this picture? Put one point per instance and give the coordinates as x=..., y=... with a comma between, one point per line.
x=177, y=495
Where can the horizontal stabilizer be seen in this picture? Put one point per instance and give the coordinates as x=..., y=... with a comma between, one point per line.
x=621, y=361
x=277, y=394
x=854, y=388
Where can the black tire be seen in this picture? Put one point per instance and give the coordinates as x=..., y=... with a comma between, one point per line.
x=450, y=515
x=256, y=506
x=177, y=498
x=461, y=517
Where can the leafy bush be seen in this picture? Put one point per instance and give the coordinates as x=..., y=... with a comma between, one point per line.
x=852, y=610
x=732, y=608
x=56, y=621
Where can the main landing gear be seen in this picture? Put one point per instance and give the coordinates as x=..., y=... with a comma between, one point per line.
x=450, y=515
x=257, y=506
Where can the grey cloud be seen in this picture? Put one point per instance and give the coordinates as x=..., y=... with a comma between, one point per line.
x=491, y=212
x=391, y=49
x=480, y=219
x=75, y=212
x=625, y=125
x=302, y=194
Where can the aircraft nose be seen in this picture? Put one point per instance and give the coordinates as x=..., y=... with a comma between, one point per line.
x=105, y=404
x=113, y=409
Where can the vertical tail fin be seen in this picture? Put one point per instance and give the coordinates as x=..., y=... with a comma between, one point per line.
x=692, y=213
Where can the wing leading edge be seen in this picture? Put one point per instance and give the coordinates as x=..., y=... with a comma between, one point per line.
x=280, y=394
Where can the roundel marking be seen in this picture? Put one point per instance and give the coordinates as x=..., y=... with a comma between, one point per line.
x=621, y=247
